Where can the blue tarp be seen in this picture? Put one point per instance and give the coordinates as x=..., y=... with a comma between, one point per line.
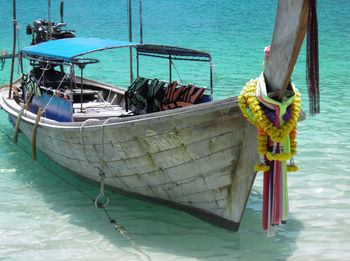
x=67, y=49
x=58, y=109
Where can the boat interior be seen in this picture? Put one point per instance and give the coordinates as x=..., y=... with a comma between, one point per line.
x=67, y=97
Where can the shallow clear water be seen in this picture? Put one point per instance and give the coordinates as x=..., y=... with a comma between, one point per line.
x=42, y=218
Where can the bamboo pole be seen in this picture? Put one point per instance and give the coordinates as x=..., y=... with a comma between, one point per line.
x=15, y=136
x=130, y=40
x=13, y=47
x=34, y=132
x=49, y=18
x=49, y=11
x=141, y=36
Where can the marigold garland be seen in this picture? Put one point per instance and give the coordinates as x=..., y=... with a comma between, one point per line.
x=248, y=100
x=261, y=167
x=263, y=140
x=267, y=131
x=292, y=168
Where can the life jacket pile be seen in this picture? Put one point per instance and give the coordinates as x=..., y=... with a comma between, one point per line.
x=150, y=95
x=177, y=96
x=145, y=94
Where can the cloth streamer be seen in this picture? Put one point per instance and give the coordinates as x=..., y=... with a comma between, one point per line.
x=276, y=122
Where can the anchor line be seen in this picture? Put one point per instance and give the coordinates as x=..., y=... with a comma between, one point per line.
x=111, y=220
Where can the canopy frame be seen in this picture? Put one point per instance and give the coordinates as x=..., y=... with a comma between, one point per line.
x=64, y=51
x=174, y=53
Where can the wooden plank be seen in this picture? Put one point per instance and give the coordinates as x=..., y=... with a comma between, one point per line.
x=210, y=181
x=210, y=140
x=243, y=177
x=151, y=142
x=127, y=132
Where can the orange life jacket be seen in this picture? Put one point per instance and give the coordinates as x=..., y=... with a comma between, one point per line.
x=181, y=96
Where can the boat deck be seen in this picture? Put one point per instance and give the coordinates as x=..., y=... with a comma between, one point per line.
x=96, y=110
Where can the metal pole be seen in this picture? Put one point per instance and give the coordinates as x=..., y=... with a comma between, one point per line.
x=81, y=89
x=49, y=17
x=141, y=39
x=14, y=47
x=211, y=80
x=138, y=64
x=61, y=11
x=169, y=69
x=130, y=40
x=49, y=11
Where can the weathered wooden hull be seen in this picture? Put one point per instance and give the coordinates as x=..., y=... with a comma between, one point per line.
x=199, y=159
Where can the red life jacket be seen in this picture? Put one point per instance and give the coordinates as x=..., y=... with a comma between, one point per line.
x=181, y=96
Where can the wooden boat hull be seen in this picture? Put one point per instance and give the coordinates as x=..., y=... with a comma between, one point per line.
x=199, y=159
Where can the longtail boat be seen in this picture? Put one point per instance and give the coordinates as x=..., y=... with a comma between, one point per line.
x=168, y=142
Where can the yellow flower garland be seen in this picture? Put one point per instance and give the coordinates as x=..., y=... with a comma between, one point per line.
x=292, y=168
x=251, y=109
x=260, y=167
x=248, y=98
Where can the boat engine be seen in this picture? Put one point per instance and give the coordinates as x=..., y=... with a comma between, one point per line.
x=43, y=31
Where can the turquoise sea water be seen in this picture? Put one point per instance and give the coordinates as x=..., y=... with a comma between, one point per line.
x=41, y=218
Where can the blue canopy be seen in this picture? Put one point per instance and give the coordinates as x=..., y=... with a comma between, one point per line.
x=67, y=49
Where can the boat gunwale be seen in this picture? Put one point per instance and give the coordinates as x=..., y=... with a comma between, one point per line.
x=12, y=107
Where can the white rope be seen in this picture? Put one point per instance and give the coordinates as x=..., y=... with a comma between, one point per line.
x=41, y=76
x=82, y=137
x=59, y=85
x=102, y=173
